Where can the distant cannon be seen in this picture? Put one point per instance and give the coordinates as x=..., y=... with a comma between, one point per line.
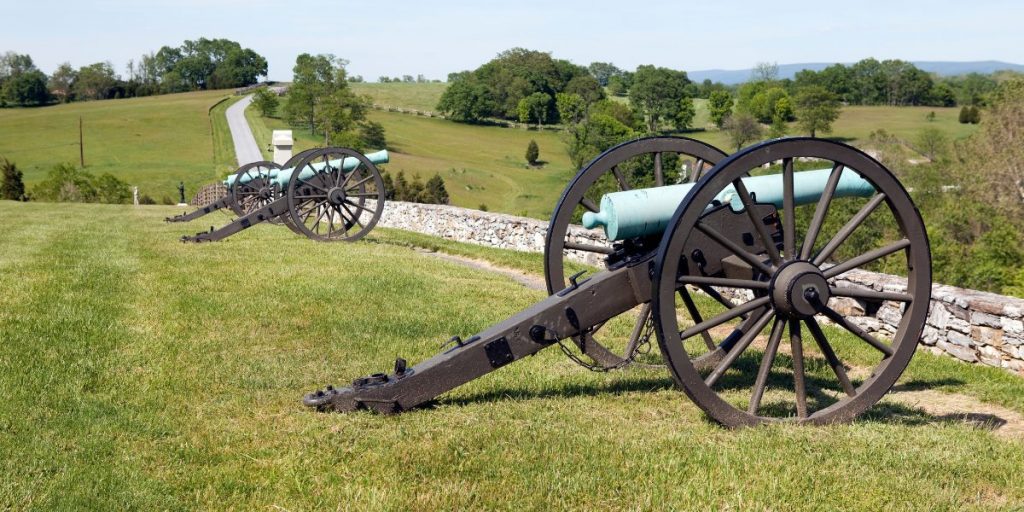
x=331, y=194
x=782, y=265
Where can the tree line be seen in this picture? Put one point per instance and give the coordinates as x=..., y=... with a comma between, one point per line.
x=195, y=65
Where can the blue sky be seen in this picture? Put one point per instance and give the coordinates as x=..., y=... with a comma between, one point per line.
x=435, y=38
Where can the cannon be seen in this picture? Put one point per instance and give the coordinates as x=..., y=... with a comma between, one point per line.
x=781, y=265
x=330, y=194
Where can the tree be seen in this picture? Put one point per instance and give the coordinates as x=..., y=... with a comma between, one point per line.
x=687, y=112
x=932, y=143
x=742, y=128
x=320, y=97
x=532, y=152
x=12, y=187
x=372, y=134
x=816, y=109
x=974, y=115
x=603, y=72
x=265, y=101
x=534, y=108
x=62, y=81
x=965, y=115
x=466, y=100
x=434, y=191
x=992, y=159
x=719, y=107
x=657, y=93
x=27, y=88
x=765, y=72
x=95, y=81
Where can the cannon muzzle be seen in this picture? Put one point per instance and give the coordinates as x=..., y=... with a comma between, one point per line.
x=646, y=211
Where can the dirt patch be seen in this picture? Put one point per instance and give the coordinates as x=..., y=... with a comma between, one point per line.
x=528, y=280
x=962, y=408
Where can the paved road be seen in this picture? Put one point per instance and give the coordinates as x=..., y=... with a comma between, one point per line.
x=246, y=149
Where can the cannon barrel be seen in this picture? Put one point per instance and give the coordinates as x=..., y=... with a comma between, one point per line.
x=281, y=176
x=643, y=212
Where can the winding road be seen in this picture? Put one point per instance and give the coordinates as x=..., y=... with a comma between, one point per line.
x=246, y=149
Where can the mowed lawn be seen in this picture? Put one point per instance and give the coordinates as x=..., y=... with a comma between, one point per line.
x=140, y=373
x=417, y=96
x=481, y=165
x=151, y=142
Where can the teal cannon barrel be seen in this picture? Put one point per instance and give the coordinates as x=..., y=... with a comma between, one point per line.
x=282, y=176
x=647, y=211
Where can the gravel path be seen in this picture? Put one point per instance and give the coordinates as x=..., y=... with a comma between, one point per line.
x=246, y=149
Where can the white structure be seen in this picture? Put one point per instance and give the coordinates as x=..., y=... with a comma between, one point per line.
x=282, y=142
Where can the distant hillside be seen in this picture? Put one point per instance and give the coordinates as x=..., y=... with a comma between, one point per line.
x=944, y=68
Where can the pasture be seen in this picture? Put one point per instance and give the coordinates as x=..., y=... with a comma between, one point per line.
x=141, y=373
x=151, y=142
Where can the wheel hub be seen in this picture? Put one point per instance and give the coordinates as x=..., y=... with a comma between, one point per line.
x=799, y=290
x=336, y=195
x=264, y=193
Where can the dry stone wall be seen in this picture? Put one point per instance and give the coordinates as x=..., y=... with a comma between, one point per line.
x=973, y=326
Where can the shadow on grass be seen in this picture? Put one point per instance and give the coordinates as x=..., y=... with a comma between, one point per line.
x=618, y=387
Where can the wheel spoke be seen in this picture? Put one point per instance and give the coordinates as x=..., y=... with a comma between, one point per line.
x=659, y=174
x=356, y=184
x=355, y=218
x=724, y=282
x=740, y=347
x=830, y=356
x=841, y=321
x=588, y=248
x=620, y=178
x=698, y=169
x=362, y=207
x=748, y=205
x=736, y=249
x=865, y=258
x=767, y=360
x=788, y=210
x=691, y=308
x=724, y=317
x=820, y=211
x=588, y=204
x=799, y=386
x=848, y=229
x=871, y=295
x=713, y=293
x=638, y=329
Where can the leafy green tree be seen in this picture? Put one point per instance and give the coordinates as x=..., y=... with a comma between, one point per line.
x=765, y=103
x=974, y=115
x=95, y=81
x=66, y=183
x=62, y=81
x=619, y=111
x=742, y=128
x=965, y=115
x=657, y=93
x=932, y=143
x=586, y=87
x=571, y=107
x=466, y=100
x=595, y=134
x=535, y=108
x=372, y=134
x=265, y=101
x=603, y=72
x=616, y=86
x=687, y=112
x=719, y=107
x=532, y=152
x=27, y=88
x=434, y=191
x=816, y=109
x=111, y=190
x=320, y=98
x=12, y=187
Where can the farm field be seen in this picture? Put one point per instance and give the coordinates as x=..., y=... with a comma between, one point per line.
x=151, y=142
x=141, y=373
x=418, y=96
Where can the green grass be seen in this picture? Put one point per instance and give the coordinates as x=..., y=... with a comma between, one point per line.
x=140, y=373
x=479, y=164
x=415, y=96
x=151, y=142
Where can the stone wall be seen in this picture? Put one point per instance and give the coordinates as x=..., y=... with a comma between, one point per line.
x=977, y=327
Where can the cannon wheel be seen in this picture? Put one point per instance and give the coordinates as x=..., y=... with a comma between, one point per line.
x=584, y=193
x=257, y=191
x=827, y=376
x=328, y=197
x=292, y=162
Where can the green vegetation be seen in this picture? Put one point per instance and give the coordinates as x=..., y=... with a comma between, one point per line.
x=11, y=187
x=414, y=96
x=132, y=379
x=151, y=142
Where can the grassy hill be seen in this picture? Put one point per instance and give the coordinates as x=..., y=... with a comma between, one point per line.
x=140, y=373
x=479, y=164
x=149, y=142
x=418, y=96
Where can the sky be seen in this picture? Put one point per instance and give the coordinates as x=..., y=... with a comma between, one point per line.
x=434, y=38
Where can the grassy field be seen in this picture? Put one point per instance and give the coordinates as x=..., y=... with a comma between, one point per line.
x=403, y=95
x=140, y=373
x=149, y=142
x=479, y=164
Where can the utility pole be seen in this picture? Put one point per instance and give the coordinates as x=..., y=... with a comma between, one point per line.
x=81, y=147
